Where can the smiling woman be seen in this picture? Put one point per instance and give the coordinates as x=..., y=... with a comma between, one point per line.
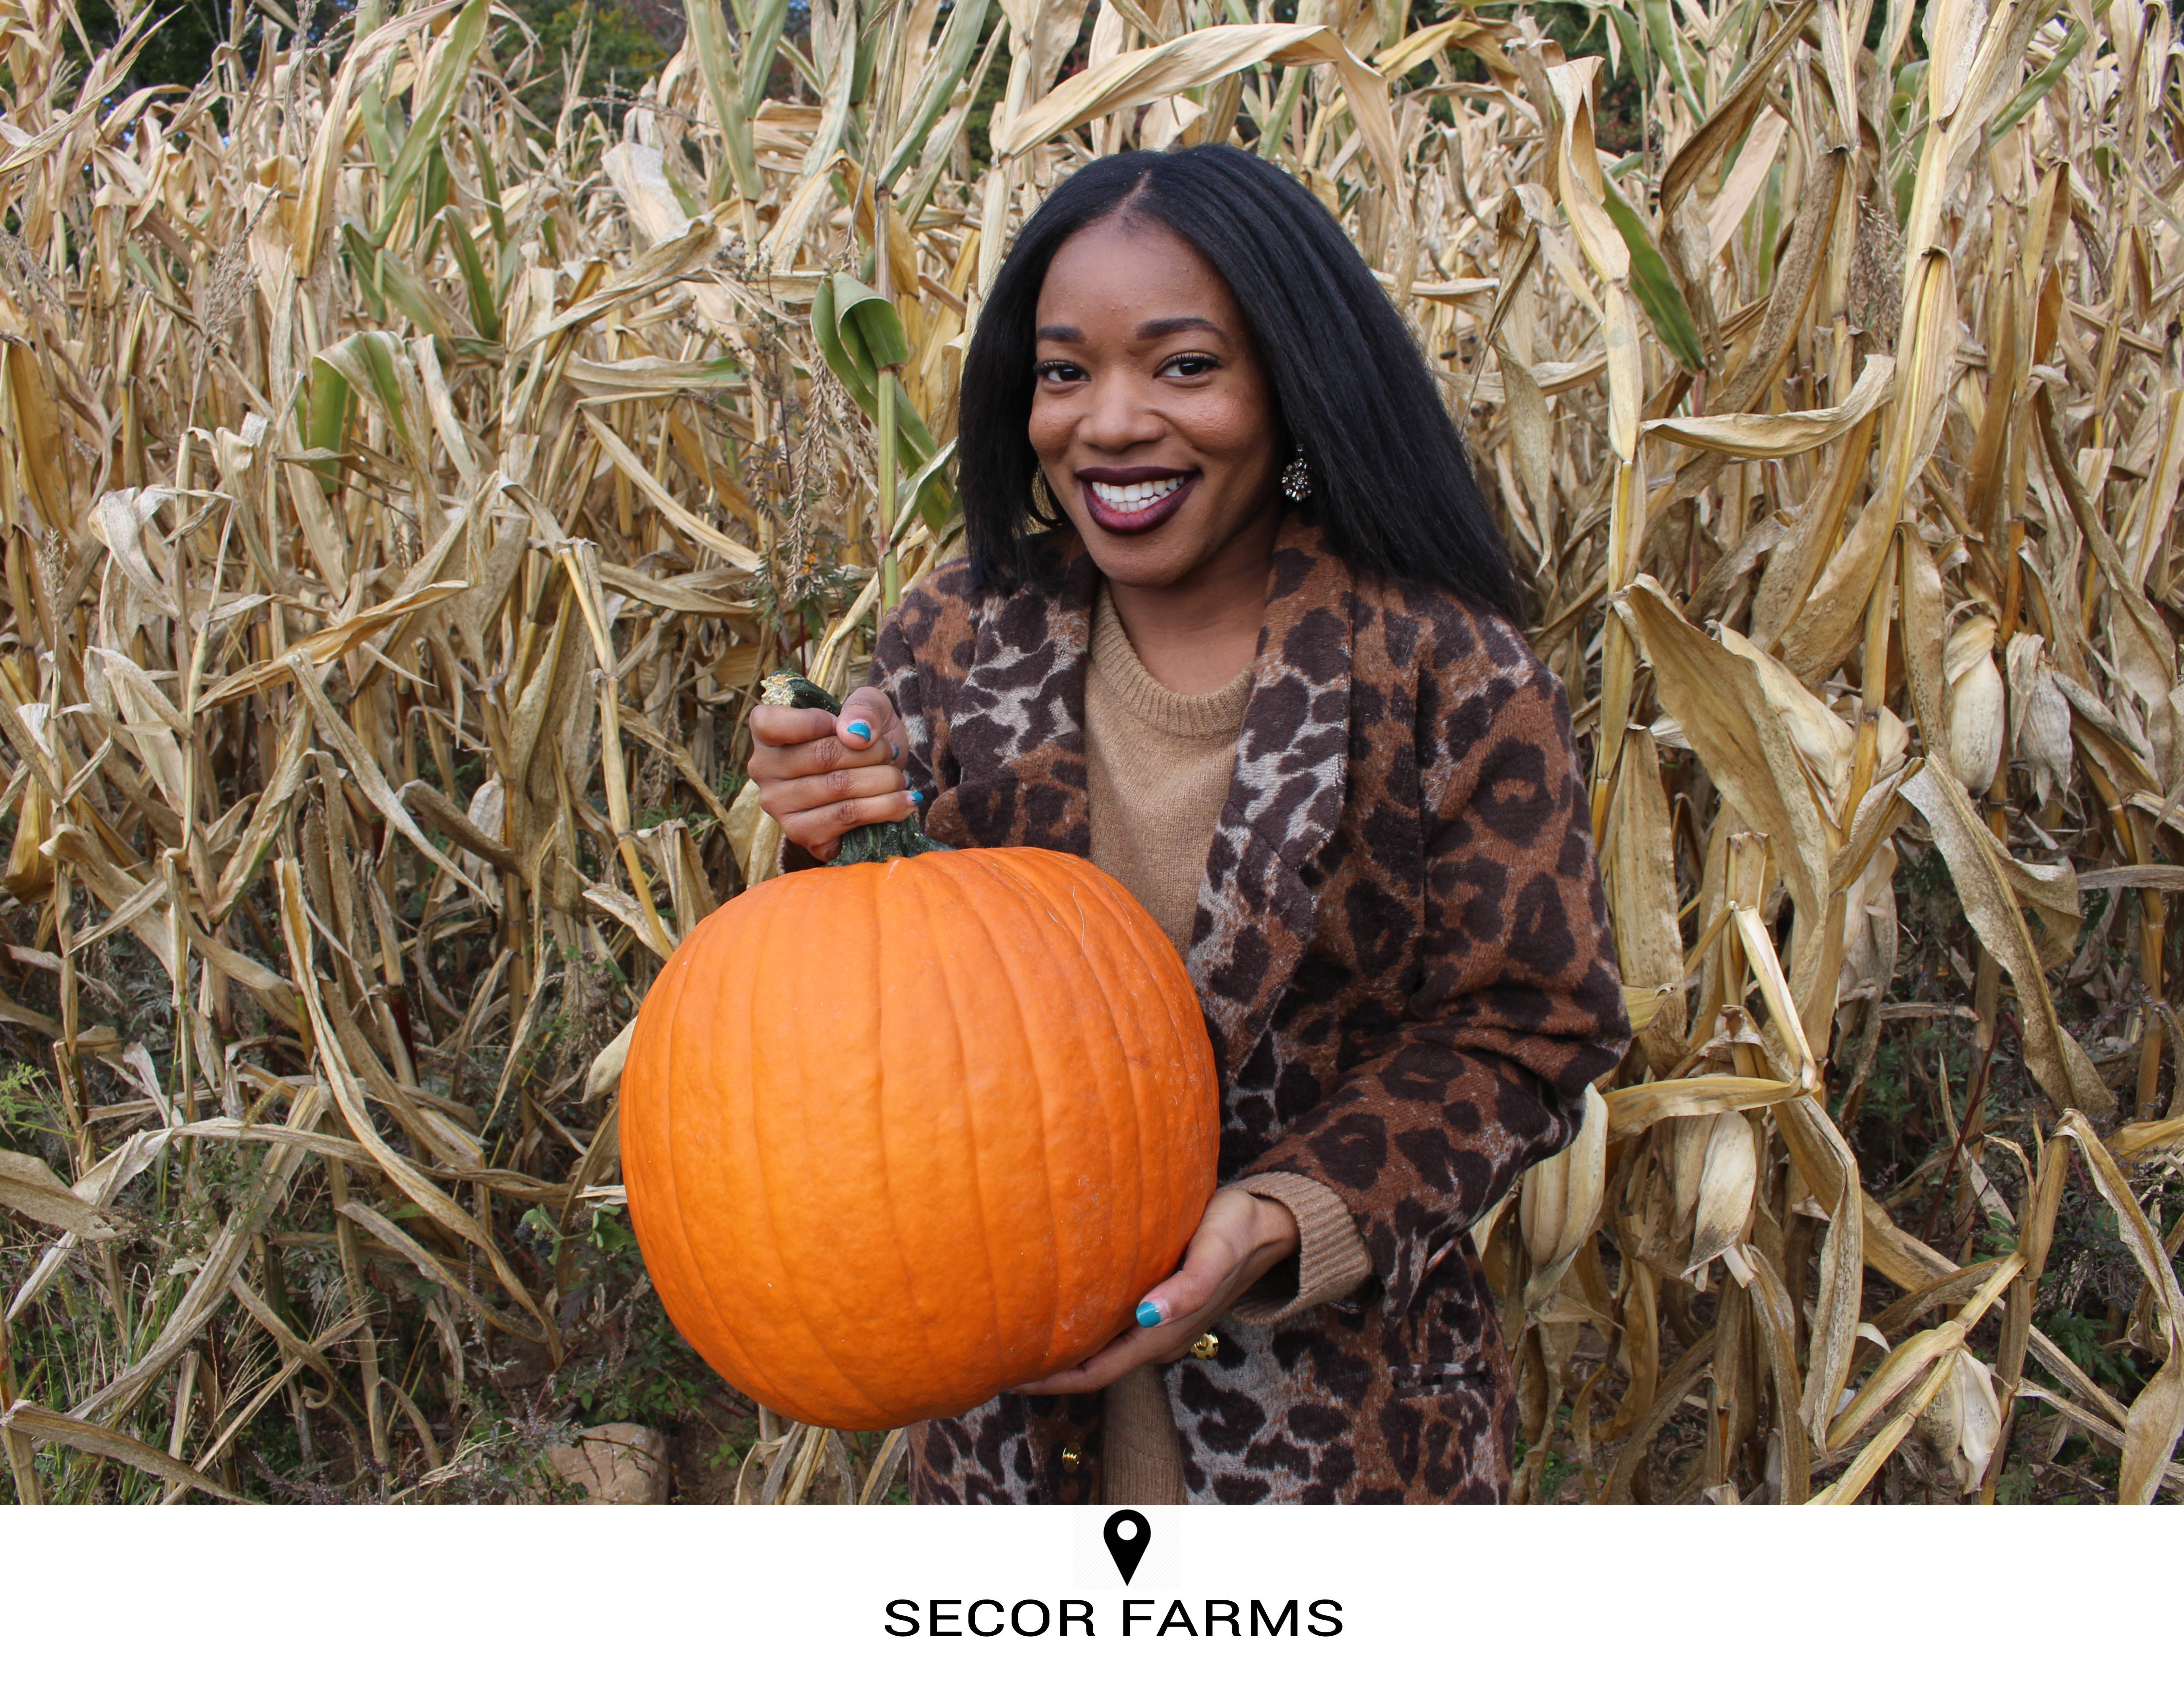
x=1234, y=625
x=1151, y=412
x=1322, y=362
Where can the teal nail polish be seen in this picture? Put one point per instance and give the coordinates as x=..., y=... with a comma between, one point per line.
x=1148, y=1314
x=860, y=730
x=917, y=799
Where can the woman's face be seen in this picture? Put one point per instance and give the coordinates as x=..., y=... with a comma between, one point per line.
x=1151, y=416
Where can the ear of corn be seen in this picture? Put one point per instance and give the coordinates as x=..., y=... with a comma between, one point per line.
x=401, y=501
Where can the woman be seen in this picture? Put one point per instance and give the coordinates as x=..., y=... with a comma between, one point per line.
x=1235, y=623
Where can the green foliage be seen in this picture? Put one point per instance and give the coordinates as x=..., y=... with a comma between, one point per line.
x=179, y=51
x=2018, y=1484
x=621, y=53
x=588, y=1008
x=2084, y=1341
x=1559, y=1468
x=1583, y=29
x=860, y=335
x=1900, y=1117
x=1658, y=295
x=28, y=1121
x=643, y=1370
x=1997, y=1239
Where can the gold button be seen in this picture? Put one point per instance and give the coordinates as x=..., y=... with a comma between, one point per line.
x=1206, y=1346
x=1072, y=1456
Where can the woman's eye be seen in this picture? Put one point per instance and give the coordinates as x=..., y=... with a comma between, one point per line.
x=1057, y=373
x=1191, y=365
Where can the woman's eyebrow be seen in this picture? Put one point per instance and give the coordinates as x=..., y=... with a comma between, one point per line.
x=1162, y=326
x=1159, y=328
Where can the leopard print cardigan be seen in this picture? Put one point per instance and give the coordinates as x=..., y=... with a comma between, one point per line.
x=1403, y=951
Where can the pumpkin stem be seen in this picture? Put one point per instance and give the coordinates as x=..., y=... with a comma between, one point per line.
x=897, y=839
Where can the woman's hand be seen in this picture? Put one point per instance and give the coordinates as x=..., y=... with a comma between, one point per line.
x=821, y=775
x=1241, y=1238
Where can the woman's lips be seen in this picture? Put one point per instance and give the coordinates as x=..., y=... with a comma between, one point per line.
x=1137, y=507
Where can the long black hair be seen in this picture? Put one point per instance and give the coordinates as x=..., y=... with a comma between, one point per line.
x=1391, y=486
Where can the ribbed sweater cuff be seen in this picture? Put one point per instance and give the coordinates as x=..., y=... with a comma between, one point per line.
x=1142, y=1461
x=1331, y=1260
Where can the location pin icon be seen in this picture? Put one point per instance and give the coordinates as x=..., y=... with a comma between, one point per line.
x=1128, y=1534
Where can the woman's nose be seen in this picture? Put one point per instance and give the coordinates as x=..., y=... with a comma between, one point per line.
x=1120, y=417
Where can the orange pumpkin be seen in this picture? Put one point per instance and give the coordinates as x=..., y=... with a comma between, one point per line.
x=900, y=1135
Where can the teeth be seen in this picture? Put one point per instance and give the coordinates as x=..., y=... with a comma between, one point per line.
x=1130, y=499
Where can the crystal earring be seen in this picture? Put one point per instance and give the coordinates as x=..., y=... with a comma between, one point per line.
x=1042, y=505
x=1296, y=479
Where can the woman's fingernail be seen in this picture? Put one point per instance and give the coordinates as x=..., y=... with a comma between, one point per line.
x=1148, y=1314
x=860, y=730
x=917, y=799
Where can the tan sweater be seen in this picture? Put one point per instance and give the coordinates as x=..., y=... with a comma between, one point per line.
x=1159, y=764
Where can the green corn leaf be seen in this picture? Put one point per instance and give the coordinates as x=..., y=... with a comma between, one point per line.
x=927, y=494
x=373, y=365
x=1655, y=285
x=826, y=38
x=867, y=325
x=393, y=280
x=933, y=494
x=871, y=19
x=485, y=309
x=762, y=40
x=363, y=264
x=854, y=372
x=2035, y=90
x=939, y=150
x=1625, y=38
x=428, y=111
x=488, y=184
x=861, y=339
x=943, y=77
x=324, y=404
x=1275, y=134
x=439, y=189
x=1660, y=32
x=716, y=61
x=373, y=105
x=837, y=59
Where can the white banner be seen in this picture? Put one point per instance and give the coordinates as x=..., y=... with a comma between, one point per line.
x=776, y=1595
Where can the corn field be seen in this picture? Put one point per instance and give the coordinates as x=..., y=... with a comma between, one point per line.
x=403, y=494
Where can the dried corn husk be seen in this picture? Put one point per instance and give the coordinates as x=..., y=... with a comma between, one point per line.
x=1978, y=711
x=2040, y=717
